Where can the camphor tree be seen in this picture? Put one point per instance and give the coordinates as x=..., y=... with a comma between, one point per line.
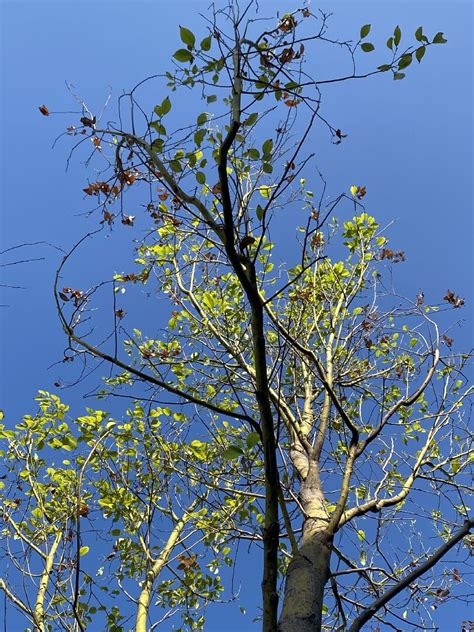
x=312, y=410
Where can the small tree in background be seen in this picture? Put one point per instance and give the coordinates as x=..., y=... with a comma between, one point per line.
x=324, y=414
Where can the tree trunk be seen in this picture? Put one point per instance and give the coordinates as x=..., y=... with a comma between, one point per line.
x=308, y=571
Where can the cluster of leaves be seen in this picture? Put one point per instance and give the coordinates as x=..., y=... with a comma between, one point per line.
x=142, y=480
x=401, y=59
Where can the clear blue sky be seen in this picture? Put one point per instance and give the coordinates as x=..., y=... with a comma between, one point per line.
x=409, y=142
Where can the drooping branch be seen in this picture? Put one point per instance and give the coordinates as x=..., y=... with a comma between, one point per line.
x=146, y=377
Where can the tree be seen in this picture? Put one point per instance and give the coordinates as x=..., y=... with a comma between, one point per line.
x=141, y=487
x=313, y=389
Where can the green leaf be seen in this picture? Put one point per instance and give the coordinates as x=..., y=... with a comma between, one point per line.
x=201, y=177
x=265, y=191
x=267, y=167
x=267, y=146
x=405, y=61
x=202, y=118
x=199, y=137
x=2, y=414
x=252, y=439
x=365, y=30
x=398, y=75
x=206, y=43
x=175, y=166
x=390, y=43
x=455, y=466
x=367, y=47
x=211, y=98
x=157, y=126
x=439, y=38
x=157, y=145
x=384, y=67
x=253, y=153
x=183, y=55
x=83, y=550
x=164, y=108
x=251, y=119
x=397, y=35
x=166, y=105
x=419, y=33
x=259, y=212
x=187, y=36
x=232, y=452
x=420, y=53
x=199, y=449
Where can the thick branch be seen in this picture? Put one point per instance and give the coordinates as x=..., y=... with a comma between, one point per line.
x=245, y=271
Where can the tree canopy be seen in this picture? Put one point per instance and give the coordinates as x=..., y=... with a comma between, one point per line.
x=283, y=396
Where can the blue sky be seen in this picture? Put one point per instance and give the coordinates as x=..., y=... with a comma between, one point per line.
x=409, y=142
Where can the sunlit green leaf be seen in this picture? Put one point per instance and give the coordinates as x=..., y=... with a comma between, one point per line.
x=250, y=120
x=267, y=147
x=439, y=38
x=252, y=439
x=405, y=61
x=420, y=53
x=183, y=55
x=232, y=452
x=202, y=118
x=206, y=43
x=397, y=35
x=187, y=36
